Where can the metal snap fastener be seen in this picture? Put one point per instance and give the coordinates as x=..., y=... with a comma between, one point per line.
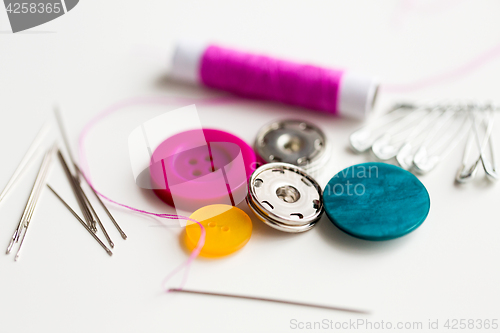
x=295, y=142
x=285, y=197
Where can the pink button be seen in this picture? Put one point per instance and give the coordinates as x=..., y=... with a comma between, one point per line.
x=190, y=170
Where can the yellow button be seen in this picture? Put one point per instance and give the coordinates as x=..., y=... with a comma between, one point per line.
x=227, y=228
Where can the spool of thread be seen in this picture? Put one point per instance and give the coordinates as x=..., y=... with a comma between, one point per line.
x=332, y=91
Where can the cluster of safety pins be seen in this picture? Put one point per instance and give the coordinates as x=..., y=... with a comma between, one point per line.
x=419, y=137
x=90, y=219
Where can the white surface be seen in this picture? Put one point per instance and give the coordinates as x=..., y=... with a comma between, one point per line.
x=105, y=51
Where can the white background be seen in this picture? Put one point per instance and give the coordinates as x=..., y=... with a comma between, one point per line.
x=102, y=52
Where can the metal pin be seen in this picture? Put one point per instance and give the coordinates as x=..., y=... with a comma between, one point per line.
x=77, y=191
x=489, y=165
x=32, y=201
x=124, y=236
x=406, y=151
x=465, y=172
x=268, y=300
x=362, y=139
x=431, y=151
x=28, y=210
x=87, y=215
x=29, y=205
x=98, y=220
x=22, y=222
x=60, y=124
x=388, y=144
x=27, y=159
x=81, y=222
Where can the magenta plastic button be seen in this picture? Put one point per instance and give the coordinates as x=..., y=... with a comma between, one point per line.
x=189, y=170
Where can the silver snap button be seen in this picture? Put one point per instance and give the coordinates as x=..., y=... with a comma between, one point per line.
x=285, y=197
x=295, y=142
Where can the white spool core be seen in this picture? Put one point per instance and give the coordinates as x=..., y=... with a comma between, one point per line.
x=186, y=61
x=357, y=95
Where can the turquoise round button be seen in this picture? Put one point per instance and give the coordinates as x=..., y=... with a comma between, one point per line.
x=376, y=201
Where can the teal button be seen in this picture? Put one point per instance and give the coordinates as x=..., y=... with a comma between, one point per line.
x=376, y=201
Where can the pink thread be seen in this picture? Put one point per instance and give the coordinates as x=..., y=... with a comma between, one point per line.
x=262, y=77
x=86, y=173
x=466, y=68
x=407, y=8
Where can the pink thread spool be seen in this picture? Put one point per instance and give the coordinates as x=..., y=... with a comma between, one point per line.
x=332, y=91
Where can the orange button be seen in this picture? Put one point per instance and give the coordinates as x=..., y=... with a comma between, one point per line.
x=227, y=228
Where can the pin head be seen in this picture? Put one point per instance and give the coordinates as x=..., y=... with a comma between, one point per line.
x=285, y=197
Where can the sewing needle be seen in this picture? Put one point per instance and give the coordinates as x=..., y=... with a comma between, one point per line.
x=32, y=201
x=98, y=220
x=64, y=137
x=81, y=222
x=27, y=159
x=29, y=204
x=124, y=236
x=29, y=215
x=78, y=189
x=268, y=300
x=22, y=221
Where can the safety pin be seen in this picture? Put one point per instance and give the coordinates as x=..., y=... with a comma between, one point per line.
x=428, y=157
x=108, y=251
x=404, y=156
x=362, y=139
x=384, y=149
x=466, y=173
x=174, y=290
x=33, y=198
x=26, y=160
x=489, y=166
